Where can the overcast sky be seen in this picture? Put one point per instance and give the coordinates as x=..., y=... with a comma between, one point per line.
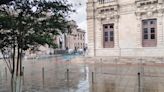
x=80, y=15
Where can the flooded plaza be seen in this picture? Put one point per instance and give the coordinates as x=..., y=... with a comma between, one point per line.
x=58, y=74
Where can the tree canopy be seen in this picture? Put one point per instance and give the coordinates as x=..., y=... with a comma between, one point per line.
x=5, y=1
x=25, y=24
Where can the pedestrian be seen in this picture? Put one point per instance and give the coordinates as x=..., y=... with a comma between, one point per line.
x=84, y=50
x=67, y=49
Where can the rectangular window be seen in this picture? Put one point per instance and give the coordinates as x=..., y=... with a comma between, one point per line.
x=145, y=36
x=149, y=33
x=152, y=36
x=145, y=31
x=151, y=22
x=111, y=39
x=104, y=1
x=106, y=39
x=108, y=35
x=111, y=26
x=152, y=30
x=145, y=22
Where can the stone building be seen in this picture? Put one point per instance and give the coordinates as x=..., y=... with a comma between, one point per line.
x=76, y=39
x=125, y=27
x=73, y=39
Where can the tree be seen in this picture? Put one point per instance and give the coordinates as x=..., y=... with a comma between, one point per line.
x=5, y=1
x=26, y=24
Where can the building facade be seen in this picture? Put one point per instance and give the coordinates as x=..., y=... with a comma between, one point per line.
x=125, y=27
x=73, y=40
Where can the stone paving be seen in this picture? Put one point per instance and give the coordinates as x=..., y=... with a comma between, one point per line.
x=98, y=75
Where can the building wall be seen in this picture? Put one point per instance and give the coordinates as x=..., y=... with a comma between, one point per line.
x=127, y=16
x=80, y=39
x=74, y=39
x=71, y=39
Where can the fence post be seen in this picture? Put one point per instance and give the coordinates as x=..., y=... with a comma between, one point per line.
x=43, y=76
x=93, y=88
x=92, y=77
x=67, y=75
x=139, y=82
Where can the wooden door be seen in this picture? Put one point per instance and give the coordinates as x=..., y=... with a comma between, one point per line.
x=108, y=30
x=149, y=37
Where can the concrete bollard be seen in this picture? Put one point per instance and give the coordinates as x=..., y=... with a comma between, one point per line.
x=93, y=82
x=92, y=77
x=139, y=83
x=43, y=76
x=67, y=75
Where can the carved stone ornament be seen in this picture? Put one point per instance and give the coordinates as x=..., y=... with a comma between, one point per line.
x=148, y=8
x=149, y=14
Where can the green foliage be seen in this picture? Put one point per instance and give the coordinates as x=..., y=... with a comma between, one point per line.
x=5, y=1
x=27, y=23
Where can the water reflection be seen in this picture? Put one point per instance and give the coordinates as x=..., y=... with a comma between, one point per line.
x=52, y=75
x=55, y=76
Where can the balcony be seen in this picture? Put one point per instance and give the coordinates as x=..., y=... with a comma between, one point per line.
x=107, y=9
x=149, y=7
x=106, y=3
x=140, y=3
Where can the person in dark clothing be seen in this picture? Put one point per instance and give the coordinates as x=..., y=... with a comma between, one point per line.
x=75, y=51
x=84, y=49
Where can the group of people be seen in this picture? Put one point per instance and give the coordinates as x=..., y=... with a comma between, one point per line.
x=76, y=50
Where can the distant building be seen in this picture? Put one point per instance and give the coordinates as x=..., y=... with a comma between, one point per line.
x=125, y=27
x=75, y=39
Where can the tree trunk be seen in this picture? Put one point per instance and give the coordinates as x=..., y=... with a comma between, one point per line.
x=16, y=83
x=18, y=59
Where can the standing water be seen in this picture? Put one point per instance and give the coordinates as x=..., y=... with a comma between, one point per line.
x=56, y=74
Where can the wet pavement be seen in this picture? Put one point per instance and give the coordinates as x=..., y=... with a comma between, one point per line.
x=54, y=74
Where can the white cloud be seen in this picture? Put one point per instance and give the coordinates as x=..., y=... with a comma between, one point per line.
x=80, y=15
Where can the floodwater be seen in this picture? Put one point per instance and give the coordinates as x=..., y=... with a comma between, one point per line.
x=55, y=74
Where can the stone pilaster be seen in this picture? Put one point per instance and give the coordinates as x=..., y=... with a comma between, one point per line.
x=99, y=34
x=139, y=31
x=116, y=34
x=160, y=39
x=91, y=27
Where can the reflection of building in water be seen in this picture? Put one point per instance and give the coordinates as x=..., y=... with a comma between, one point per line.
x=74, y=39
x=125, y=27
